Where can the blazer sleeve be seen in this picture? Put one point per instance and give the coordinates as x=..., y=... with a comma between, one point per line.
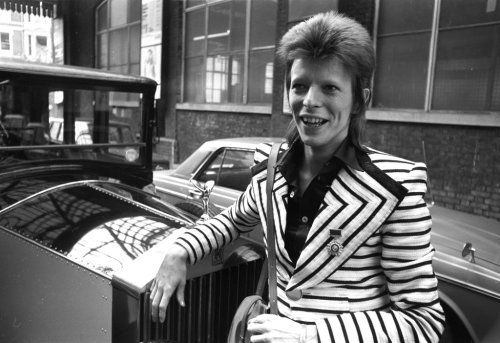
x=224, y=228
x=202, y=239
x=416, y=314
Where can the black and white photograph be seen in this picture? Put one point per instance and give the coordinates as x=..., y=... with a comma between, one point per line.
x=250, y=171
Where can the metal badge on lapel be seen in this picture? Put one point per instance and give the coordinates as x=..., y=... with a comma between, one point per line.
x=335, y=247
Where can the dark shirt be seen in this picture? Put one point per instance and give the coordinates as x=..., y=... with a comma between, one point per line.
x=301, y=210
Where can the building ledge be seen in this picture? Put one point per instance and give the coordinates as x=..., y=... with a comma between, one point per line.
x=488, y=119
x=234, y=108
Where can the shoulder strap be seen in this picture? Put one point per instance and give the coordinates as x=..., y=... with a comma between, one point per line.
x=271, y=233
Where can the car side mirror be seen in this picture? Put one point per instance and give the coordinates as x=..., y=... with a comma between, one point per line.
x=467, y=250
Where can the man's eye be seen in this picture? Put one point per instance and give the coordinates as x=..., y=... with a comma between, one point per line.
x=299, y=87
x=331, y=88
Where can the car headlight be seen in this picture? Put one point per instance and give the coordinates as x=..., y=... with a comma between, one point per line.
x=131, y=155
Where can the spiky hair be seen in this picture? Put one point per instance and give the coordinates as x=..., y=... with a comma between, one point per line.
x=328, y=35
x=332, y=35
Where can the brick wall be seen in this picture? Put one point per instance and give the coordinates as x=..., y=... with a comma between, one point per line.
x=463, y=162
x=196, y=127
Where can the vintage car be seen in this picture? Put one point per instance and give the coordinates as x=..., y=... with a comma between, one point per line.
x=467, y=259
x=81, y=235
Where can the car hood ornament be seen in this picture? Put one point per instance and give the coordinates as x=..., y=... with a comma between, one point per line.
x=205, y=190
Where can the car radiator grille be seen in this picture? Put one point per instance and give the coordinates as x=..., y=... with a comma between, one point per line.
x=211, y=301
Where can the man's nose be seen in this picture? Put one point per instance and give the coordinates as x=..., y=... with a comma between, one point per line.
x=312, y=98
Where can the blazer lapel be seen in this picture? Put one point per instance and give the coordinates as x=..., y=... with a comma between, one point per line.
x=364, y=206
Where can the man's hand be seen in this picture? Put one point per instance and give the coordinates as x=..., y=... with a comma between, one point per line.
x=171, y=277
x=270, y=328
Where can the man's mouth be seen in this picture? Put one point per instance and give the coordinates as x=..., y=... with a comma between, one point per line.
x=313, y=121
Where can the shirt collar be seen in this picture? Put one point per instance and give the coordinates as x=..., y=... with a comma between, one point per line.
x=288, y=162
x=347, y=154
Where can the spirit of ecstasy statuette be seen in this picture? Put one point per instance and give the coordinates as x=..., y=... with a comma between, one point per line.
x=204, y=194
x=205, y=190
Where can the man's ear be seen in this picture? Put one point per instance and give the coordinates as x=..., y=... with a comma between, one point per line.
x=367, y=95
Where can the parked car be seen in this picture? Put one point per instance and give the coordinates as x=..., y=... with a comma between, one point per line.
x=80, y=238
x=225, y=161
x=467, y=259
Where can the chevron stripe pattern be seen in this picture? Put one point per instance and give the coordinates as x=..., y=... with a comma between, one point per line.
x=382, y=287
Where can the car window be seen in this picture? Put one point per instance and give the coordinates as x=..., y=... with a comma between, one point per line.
x=187, y=168
x=211, y=172
x=72, y=120
x=230, y=168
x=55, y=131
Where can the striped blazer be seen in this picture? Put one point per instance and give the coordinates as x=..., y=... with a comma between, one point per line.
x=381, y=287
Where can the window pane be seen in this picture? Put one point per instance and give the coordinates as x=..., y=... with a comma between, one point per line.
x=263, y=23
x=118, y=53
x=464, y=12
x=218, y=27
x=467, y=69
x=216, y=78
x=135, y=44
x=238, y=24
x=102, y=50
x=195, y=32
x=134, y=10
x=4, y=41
x=400, y=79
x=236, y=79
x=235, y=170
x=102, y=17
x=405, y=15
x=298, y=9
x=193, y=88
x=118, y=13
x=212, y=171
x=260, y=76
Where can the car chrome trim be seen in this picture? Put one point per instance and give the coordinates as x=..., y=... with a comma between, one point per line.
x=457, y=281
x=94, y=184
x=170, y=192
x=45, y=191
x=72, y=146
x=138, y=204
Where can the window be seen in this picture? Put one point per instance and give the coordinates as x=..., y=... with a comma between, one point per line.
x=230, y=168
x=224, y=62
x=4, y=41
x=449, y=61
x=118, y=31
x=300, y=9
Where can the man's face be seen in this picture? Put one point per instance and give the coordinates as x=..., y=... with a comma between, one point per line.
x=321, y=99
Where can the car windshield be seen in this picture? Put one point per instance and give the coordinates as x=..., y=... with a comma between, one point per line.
x=191, y=164
x=44, y=120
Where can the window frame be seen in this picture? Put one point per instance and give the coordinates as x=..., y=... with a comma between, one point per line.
x=107, y=32
x=227, y=106
x=427, y=114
